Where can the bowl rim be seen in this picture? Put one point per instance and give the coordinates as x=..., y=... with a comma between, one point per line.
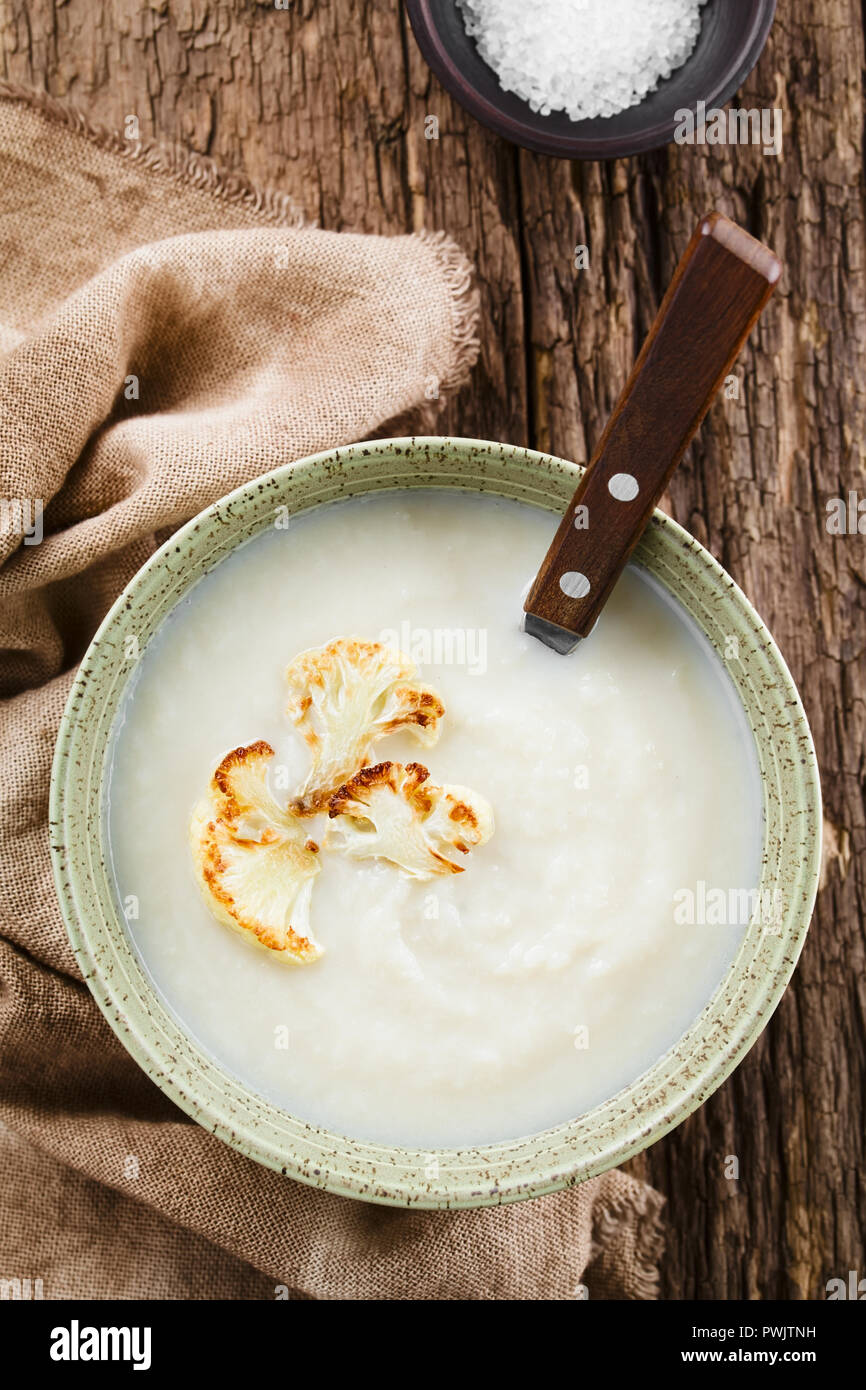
x=525, y=131
x=526, y=1167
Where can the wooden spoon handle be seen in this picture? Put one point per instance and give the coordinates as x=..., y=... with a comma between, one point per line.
x=720, y=287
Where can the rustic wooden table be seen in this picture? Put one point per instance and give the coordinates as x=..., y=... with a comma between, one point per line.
x=327, y=100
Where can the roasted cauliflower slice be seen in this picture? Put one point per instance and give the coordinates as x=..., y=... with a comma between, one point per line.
x=345, y=696
x=242, y=799
x=253, y=861
x=392, y=812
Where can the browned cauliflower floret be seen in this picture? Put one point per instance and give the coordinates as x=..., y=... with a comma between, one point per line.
x=253, y=861
x=392, y=812
x=345, y=696
x=242, y=799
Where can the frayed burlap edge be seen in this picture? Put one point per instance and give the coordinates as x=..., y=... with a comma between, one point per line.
x=644, y=1208
x=458, y=273
x=168, y=161
x=278, y=209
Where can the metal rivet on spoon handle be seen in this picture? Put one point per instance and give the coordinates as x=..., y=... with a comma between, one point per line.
x=719, y=288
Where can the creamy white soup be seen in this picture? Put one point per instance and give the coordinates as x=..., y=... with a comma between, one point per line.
x=576, y=946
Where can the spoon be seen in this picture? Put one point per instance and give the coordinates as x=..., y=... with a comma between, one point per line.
x=718, y=291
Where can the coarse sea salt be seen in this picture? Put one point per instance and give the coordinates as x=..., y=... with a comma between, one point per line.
x=585, y=57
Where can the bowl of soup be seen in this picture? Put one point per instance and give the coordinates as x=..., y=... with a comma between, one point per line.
x=612, y=857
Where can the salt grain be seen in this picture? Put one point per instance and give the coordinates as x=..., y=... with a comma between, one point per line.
x=585, y=57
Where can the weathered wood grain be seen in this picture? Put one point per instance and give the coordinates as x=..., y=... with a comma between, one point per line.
x=328, y=100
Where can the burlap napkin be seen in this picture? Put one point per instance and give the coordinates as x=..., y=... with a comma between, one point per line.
x=165, y=333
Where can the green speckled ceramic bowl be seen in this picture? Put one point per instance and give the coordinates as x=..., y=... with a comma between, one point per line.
x=526, y=1167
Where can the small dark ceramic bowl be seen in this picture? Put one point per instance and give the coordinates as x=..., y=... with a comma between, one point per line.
x=732, y=38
